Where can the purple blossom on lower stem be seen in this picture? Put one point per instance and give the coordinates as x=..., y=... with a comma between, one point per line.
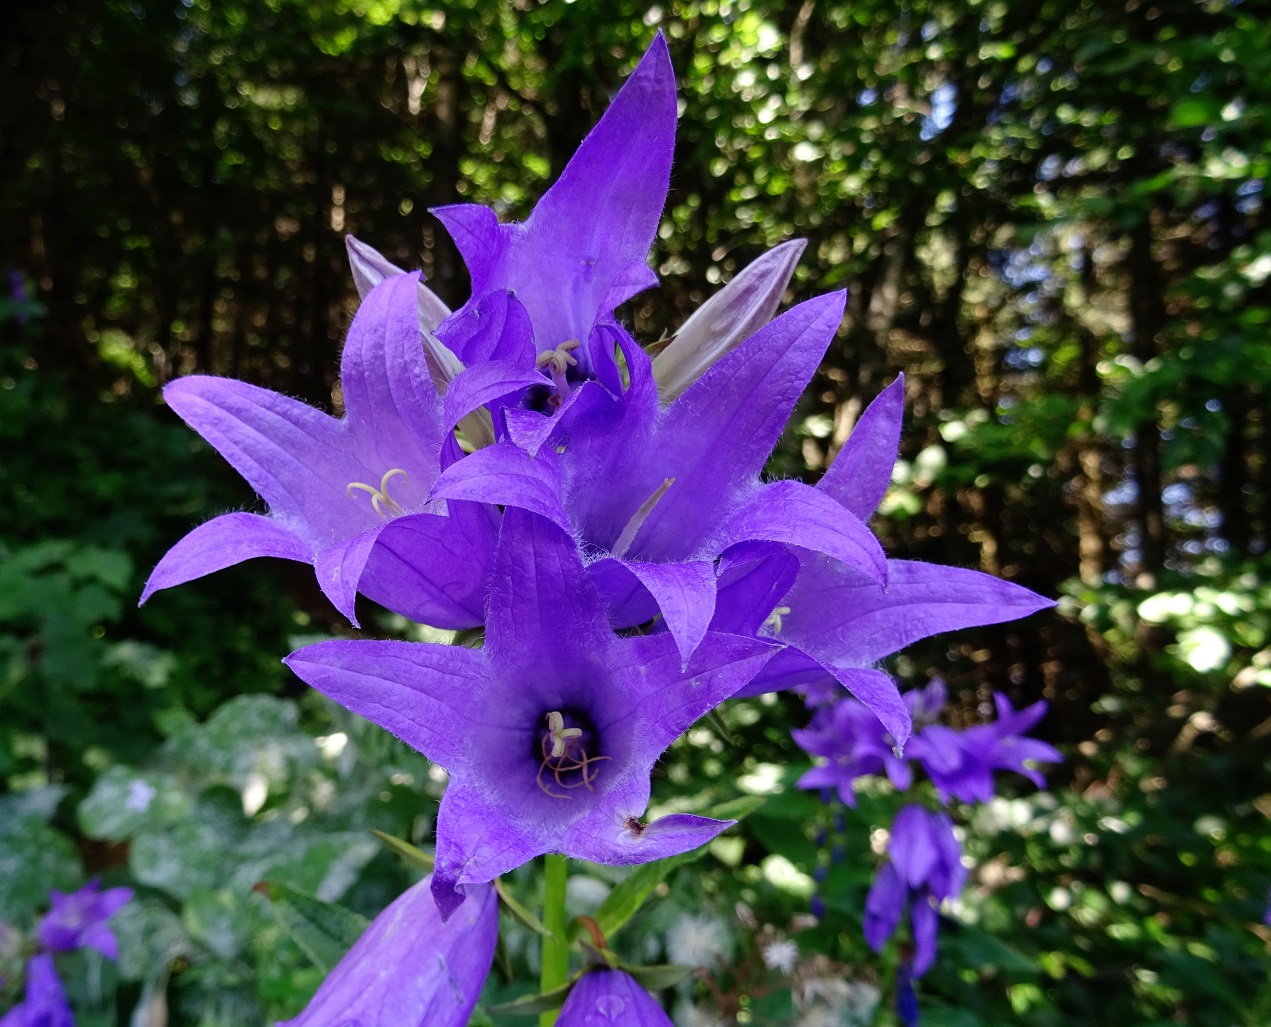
x=906, y=997
x=81, y=920
x=45, y=1003
x=409, y=968
x=961, y=764
x=613, y=999
x=551, y=730
x=924, y=868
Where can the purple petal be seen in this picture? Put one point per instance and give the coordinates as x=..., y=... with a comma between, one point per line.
x=923, y=923
x=411, y=968
x=45, y=1004
x=796, y=514
x=715, y=438
x=427, y=695
x=100, y=937
x=877, y=691
x=475, y=231
x=494, y=327
x=732, y=315
x=508, y=476
x=913, y=847
x=859, y=476
x=293, y=455
x=611, y=997
x=339, y=569
x=619, y=842
x=788, y=669
x=432, y=569
x=752, y=580
x=370, y=267
x=482, y=383
x=223, y=542
x=543, y=608
x=852, y=621
x=883, y=907
x=685, y=593
x=393, y=410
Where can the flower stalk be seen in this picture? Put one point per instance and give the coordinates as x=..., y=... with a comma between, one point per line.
x=555, y=970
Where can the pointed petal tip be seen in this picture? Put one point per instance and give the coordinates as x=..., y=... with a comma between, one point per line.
x=447, y=896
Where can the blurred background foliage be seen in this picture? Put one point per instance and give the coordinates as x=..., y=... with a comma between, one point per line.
x=1049, y=216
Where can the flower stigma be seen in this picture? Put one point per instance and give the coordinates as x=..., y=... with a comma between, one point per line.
x=381, y=501
x=563, y=751
x=557, y=362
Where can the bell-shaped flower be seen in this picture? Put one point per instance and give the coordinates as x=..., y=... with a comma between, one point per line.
x=349, y=495
x=409, y=968
x=924, y=868
x=837, y=621
x=45, y=1003
x=610, y=998
x=551, y=730
x=656, y=495
x=81, y=919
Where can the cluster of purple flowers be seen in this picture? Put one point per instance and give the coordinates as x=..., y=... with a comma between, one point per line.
x=76, y=921
x=925, y=860
x=523, y=466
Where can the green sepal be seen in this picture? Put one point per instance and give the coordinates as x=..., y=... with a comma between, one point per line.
x=658, y=976
x=411, y=856
x=531, y=1005
x=522, y=915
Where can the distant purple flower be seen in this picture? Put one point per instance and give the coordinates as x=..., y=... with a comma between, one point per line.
x=839, y=623
x=925, y=868
x=550, y=731
x=409, y=969
x=81, y=920
x=960, y=764
x=45, y=1004
x=611, y=998
x=349, y=496
x=906, y=998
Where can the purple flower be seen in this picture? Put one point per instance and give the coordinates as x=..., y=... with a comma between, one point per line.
x=656, y=495
x=925, y=868
x=409, y=969
x=906, y=997
x=960, y=764
x=611, y=998
x=45, y=1003
x=839, y=622
x=80, y=919
x=349, y=496
x=550, y=731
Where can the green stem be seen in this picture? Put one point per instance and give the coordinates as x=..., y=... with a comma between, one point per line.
x=555, y=953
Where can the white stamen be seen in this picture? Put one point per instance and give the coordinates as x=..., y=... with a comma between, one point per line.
x=381, y=502
x=560, y=733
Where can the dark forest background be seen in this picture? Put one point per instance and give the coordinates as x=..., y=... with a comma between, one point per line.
x=1050, y=217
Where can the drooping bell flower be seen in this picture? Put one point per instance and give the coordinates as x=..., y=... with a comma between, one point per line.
x=656, y=495
x=349, y=495
x=610, y=998
x=551, y=730
x=45, y=1003
x=409, y=968
x=924, y=868
x=81, y=919
x=837, y=622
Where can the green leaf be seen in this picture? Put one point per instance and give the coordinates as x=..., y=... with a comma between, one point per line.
x=323, y=930
x=530, y=1005
x=33, y=859
x=520, y=913
x=659, y=976
x=124, y=801
x=410, y=855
